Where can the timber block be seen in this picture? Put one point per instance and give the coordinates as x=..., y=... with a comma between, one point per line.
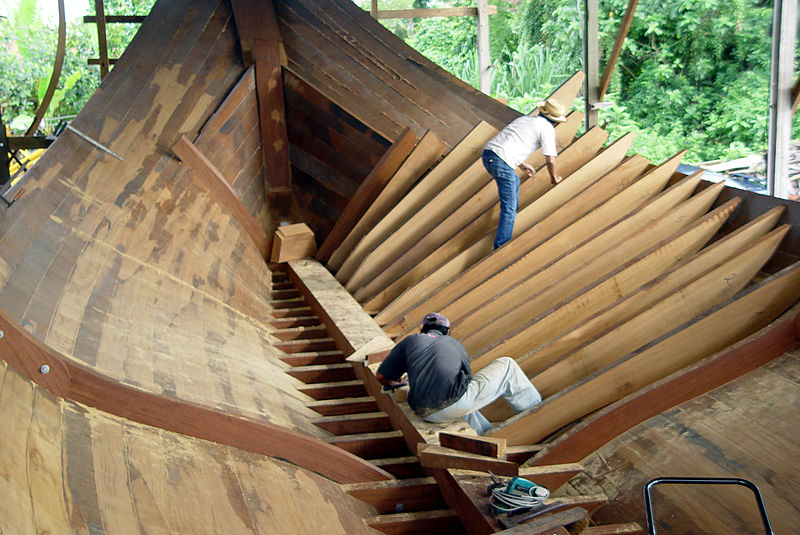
x=293, y=242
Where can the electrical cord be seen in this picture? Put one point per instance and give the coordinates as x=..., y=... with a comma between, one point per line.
x=505, y=502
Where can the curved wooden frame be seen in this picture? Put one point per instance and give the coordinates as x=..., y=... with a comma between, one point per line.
x=602, y=427
x=70, y=380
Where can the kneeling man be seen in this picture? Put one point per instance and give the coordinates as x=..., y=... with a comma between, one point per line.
x=441, y=385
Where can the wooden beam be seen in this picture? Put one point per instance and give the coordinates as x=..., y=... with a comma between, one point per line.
x=254, y=19
x=475, y=219
x=524, y=229
x=550, y=329
x=591, y=60
x=68, y=379
x=729, y=323
x=213, y=181
x=668, y=311
x=102, y=42
x=689, y=382
x=616, y=50
x=367, y=192
x=115, y=19
x=422, y=13
x=453, y=164
x=427, y=152
x=482, y=27
x=432, y=456
x=486, y=446
x=391, y=496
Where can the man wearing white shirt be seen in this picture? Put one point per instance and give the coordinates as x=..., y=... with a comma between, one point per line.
x=509, y=149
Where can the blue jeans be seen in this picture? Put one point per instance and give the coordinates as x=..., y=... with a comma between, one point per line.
x=502, y=378
x=508, y=189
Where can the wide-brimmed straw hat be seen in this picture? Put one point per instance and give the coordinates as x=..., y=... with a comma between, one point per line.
x=555, y=111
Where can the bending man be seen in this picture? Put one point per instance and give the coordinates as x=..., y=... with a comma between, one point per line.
x=509, y=149
x=442, y=387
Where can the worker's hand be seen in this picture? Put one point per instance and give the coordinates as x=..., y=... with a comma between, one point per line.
x=527, y=169
x=555, y=180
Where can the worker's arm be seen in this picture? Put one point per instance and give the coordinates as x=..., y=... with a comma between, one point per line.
x=388, y=382
x=527, y=169
x=550, y=162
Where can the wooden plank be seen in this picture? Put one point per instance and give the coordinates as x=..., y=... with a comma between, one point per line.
x=727, y=324
x=669, y=310
x=477, y=217
x=454, y=163
x=90, y=388
x=322, y=373
x=472, y=311
x=102, y=42
x=432, y=456
x=343, y=406
x=271, y=110
x=548, y=523
x=420, y=13
x=213, y=181
x=428, y=216
x=631, y=528
x=557, y=232
x=465, y=267
x=410, y=495
x=254, y=20
x=367, y=192
x=616, y=49
x=486, y=446
x=566, y=316
x=427, y=152
x=372, y=445
x=423, y=523
x=355, y=424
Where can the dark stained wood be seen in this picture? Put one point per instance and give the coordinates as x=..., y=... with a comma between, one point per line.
x=343, y=406
x=355, y=424
x=487, y=446
x=323, y=373
x=90, y=388
x=102, y=43
x=367, y=192
x=372, y=445
x=254, y=20
x=547, y=523
x=213, y=180
x=338, y=390
x=438, y=457
x=421, y=523
x=272, y=114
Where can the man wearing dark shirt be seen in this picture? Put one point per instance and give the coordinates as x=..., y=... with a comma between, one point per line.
x=441, y=385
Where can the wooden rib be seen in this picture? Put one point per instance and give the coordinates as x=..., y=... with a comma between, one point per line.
x=218, y=187
x=681, y=305
x=472, y=221
x=554, y=237
x=566, y=316
x=455, y=163
x=599, y=428
x=427, y=152
x=603, y=254
x=525, y=238
x=592, y=260
x=486, y=446
x=416, y=494
x=728, y=323
x=271, y=109
x=471, y=310
x=432, y=456
x=75, y=381
x=438, y=521
x=368, y=191
x=353, y=424
x=453, y=195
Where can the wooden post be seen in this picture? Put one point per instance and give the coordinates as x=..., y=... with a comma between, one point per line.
x=590, y=61
x=624, y=27
x=784, y=31
x=102, y=43
x=484, y=75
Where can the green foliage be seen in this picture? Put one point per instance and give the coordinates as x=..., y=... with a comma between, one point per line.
x=30, y=46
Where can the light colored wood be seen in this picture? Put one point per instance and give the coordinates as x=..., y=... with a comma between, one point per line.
x=454, y=163
x=368, y=191
x=716, y=330
x=472, y=311
x=419, y=13
x=476, y=217
x=561, y=319
x=213, y=181
x=671, y=309
x=428, y=151
x=526, y=237
x=566, y=92
x=608, y=250
x=596, y=258
x=292, y=242
x=426, y=218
